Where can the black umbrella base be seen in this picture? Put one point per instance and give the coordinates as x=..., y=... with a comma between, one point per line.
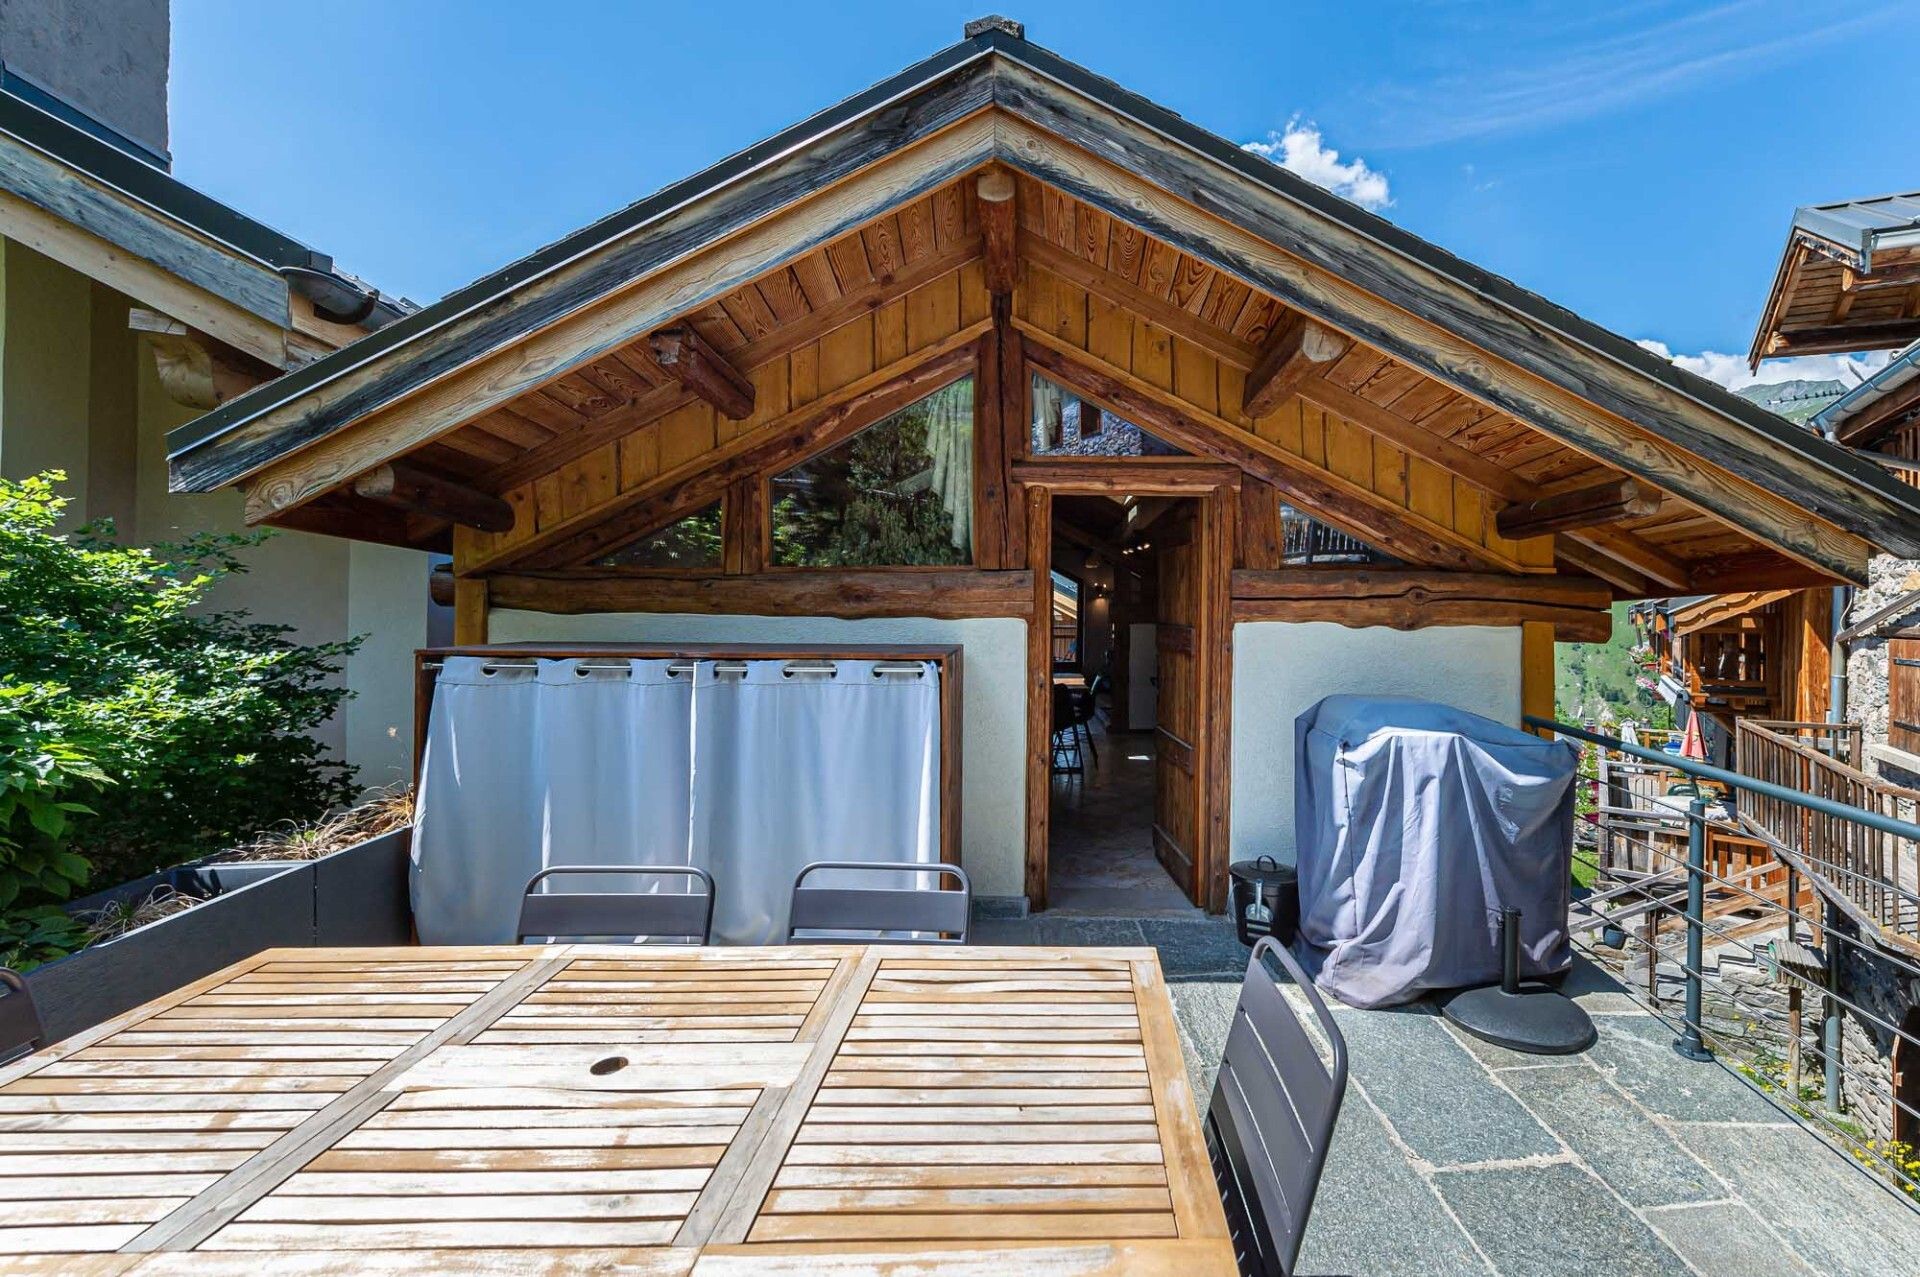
x=1534, y=1018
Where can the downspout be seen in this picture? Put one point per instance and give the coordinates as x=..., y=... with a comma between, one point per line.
x=1832, y=1030
x=1837, y=669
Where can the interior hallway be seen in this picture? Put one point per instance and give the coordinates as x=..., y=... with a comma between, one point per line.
x=1100, y=841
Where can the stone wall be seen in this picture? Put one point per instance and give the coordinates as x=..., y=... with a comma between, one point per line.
x=1887, y=579
x=1885, y=992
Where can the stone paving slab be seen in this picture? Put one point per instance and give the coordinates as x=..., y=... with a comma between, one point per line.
x=1436, y=1095
x=1614, y=1136
x=1832, y=1213
x=1638, y=1053
x=1550, y=1221
x=1376, y=1214
x=1726, y=1239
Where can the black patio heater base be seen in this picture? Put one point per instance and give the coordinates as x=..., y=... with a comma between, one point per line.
x=1526, y=1017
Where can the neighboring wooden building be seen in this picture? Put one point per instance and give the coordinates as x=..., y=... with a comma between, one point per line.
x=653, y=431
x=131, y=302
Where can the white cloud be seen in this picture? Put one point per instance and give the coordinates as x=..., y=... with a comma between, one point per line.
x=1299, y=148
x=1731, y=370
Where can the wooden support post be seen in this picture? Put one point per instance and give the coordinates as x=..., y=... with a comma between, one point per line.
x=410, y=488
x=1262, y=540
x=1536, y=669
x=999, y=229
x=1582, y=508
x=1037, y=504
x=1013, y=421
x=1298, y=351
x=990, y=475
x=469, y=610
x=743, y=530
x=704, y=371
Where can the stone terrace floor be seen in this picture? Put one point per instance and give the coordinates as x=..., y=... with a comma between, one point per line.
x=1453, y=1156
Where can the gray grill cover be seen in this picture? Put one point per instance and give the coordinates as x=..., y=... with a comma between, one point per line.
x=1415, y=823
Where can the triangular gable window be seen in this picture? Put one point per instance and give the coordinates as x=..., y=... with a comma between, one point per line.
x=1307, y=540
x=898, y=494
x=689, y=542
x=1065, y=425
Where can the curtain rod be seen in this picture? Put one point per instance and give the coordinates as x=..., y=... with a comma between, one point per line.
x=679, y=668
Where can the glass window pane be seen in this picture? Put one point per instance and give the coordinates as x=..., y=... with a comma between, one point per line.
x=1307, y=540
x=1065, y=425
x=898, y=494
x=1066, y=620
x=690, y=542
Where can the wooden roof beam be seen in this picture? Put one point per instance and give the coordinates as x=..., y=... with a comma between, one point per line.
x=1301, y=349
x=999, y=229
x=1587, y=507
x=1645, y=567
x=1841, y=338
x=686, y=357
x=197, y=371
x=1142, y=513
x=411, y=488
x=1323, y=494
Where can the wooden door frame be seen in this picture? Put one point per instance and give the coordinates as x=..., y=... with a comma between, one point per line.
x=1215, y=486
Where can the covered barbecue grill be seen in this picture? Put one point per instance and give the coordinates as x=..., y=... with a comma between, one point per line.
x=1415, y=825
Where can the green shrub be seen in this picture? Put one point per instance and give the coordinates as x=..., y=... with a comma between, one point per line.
x=41, y=775
x=201, y=720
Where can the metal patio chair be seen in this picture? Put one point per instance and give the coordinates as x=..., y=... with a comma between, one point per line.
x=1272, y=1114
x=21, y=1032
x=623, y=914
x=874, y=910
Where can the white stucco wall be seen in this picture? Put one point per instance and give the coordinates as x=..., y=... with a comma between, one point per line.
x=1280, y=669
x=993, y=717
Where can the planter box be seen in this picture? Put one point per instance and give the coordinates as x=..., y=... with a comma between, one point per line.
x=353, y=897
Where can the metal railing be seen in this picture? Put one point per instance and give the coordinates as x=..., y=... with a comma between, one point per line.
x=1788, y=924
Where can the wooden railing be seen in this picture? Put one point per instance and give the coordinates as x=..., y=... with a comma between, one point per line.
x=1877, y=872
x=1836, y=740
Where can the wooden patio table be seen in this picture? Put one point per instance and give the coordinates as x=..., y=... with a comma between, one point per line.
x=584, y=1108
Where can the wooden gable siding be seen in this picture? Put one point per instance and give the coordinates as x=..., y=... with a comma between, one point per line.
x=1305, y=440
x=1350, y=286
x=672, y=451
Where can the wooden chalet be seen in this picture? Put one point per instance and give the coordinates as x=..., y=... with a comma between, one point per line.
x=640, y=434
x=1848, y=280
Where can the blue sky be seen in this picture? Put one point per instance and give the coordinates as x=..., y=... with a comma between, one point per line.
x=1637, y=161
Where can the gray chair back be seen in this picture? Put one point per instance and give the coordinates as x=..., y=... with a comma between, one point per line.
x=21, y=1032
x=609, y=915
x=881, y=909
x=1272, y=1114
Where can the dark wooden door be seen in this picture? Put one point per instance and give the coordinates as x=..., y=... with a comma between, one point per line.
x=1178, y=810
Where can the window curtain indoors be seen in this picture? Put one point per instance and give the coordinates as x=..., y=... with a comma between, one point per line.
x=793, y=768
x=534, y=762
x=950, y=444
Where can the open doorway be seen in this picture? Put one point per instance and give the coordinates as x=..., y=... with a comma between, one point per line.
x=1122, y=804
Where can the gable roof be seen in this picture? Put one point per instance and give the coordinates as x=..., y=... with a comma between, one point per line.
x=55, y=168
x=1577, y=365
x=1846, y=280
x=1856, y=228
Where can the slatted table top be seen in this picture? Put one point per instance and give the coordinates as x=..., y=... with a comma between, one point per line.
x=575, y=1108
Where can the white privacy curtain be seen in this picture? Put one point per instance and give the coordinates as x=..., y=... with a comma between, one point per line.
x=566, y=762
x=534, y=762
x=793, y=768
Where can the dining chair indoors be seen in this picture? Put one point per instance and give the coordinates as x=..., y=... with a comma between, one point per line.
x=872, y=912
x=21, y=1032
x=628, y=915
x=1272, y=1114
